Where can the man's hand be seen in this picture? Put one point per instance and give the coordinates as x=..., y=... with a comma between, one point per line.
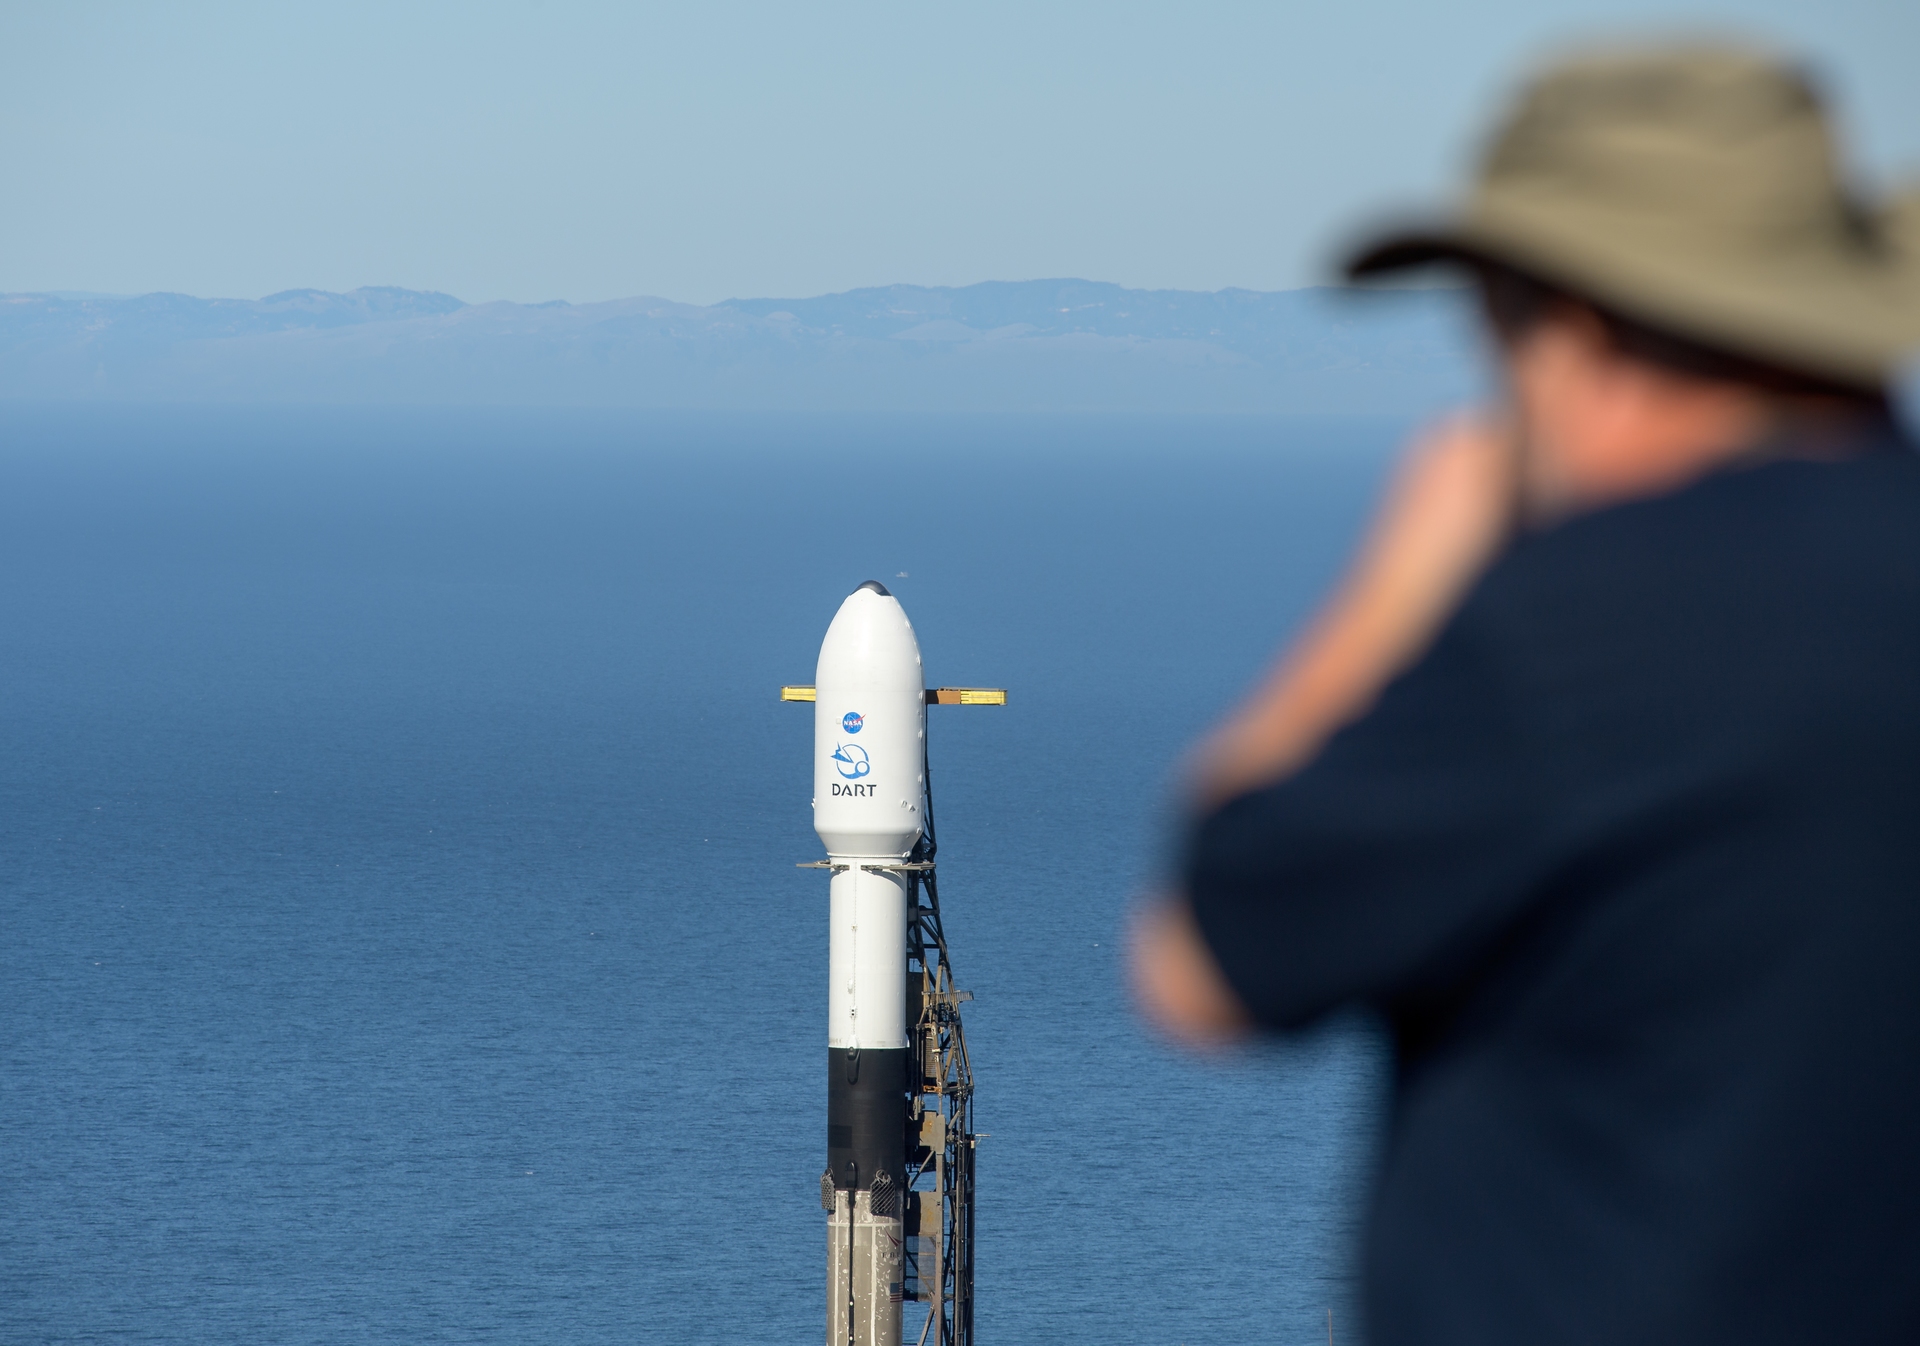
x=1450, y=506
x=1176, y=981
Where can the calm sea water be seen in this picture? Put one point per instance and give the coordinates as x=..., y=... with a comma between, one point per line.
x=400, y=939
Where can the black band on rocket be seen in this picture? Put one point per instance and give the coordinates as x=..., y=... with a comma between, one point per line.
x=866, y=1116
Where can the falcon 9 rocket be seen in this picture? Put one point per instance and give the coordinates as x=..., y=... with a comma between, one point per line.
x=898, y=1184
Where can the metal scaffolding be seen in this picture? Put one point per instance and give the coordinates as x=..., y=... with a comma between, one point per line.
x=941, y=1139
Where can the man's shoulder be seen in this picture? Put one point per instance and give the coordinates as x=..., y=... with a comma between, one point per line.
x=1767, y=503
x=1786, y=521
x=1766, y=615
x=1749, y=590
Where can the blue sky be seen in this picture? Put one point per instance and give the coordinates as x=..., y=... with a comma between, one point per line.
x=533, y=151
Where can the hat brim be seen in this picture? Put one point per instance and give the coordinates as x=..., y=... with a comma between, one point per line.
x=1423, y=244
x=1831, y=322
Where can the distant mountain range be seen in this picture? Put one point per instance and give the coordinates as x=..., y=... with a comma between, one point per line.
x=1052, y=345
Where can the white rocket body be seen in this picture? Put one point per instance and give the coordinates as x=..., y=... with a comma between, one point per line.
x=869, y=789
x=869, y=784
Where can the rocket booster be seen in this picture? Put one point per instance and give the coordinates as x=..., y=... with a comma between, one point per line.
x=869, y=800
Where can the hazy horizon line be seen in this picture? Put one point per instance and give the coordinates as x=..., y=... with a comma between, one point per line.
x=81, y=295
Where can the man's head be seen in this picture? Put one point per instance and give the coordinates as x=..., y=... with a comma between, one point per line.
x=1609, y=407
x=1671, y=259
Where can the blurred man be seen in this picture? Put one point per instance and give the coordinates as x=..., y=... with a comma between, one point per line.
x=1600, y=777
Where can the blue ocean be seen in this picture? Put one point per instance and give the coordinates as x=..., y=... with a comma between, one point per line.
x=400, y=934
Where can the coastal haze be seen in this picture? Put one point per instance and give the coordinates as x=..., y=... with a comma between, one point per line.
x=1051, y=345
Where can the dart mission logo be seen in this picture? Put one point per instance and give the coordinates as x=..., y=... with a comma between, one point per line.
x=852, y=721
x=850, y=760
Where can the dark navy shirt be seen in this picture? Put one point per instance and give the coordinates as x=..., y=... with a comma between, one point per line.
x=1630, y=863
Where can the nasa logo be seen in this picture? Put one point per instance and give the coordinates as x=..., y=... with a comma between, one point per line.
x=852, y=721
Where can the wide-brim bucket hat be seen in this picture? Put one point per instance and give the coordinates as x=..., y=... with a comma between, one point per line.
x=1697, y=189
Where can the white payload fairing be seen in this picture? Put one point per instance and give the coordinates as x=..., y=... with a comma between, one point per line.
x=898, y=1184
x=869, y=782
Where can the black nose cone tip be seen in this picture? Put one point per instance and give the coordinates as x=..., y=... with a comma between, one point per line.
x=875, y=587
